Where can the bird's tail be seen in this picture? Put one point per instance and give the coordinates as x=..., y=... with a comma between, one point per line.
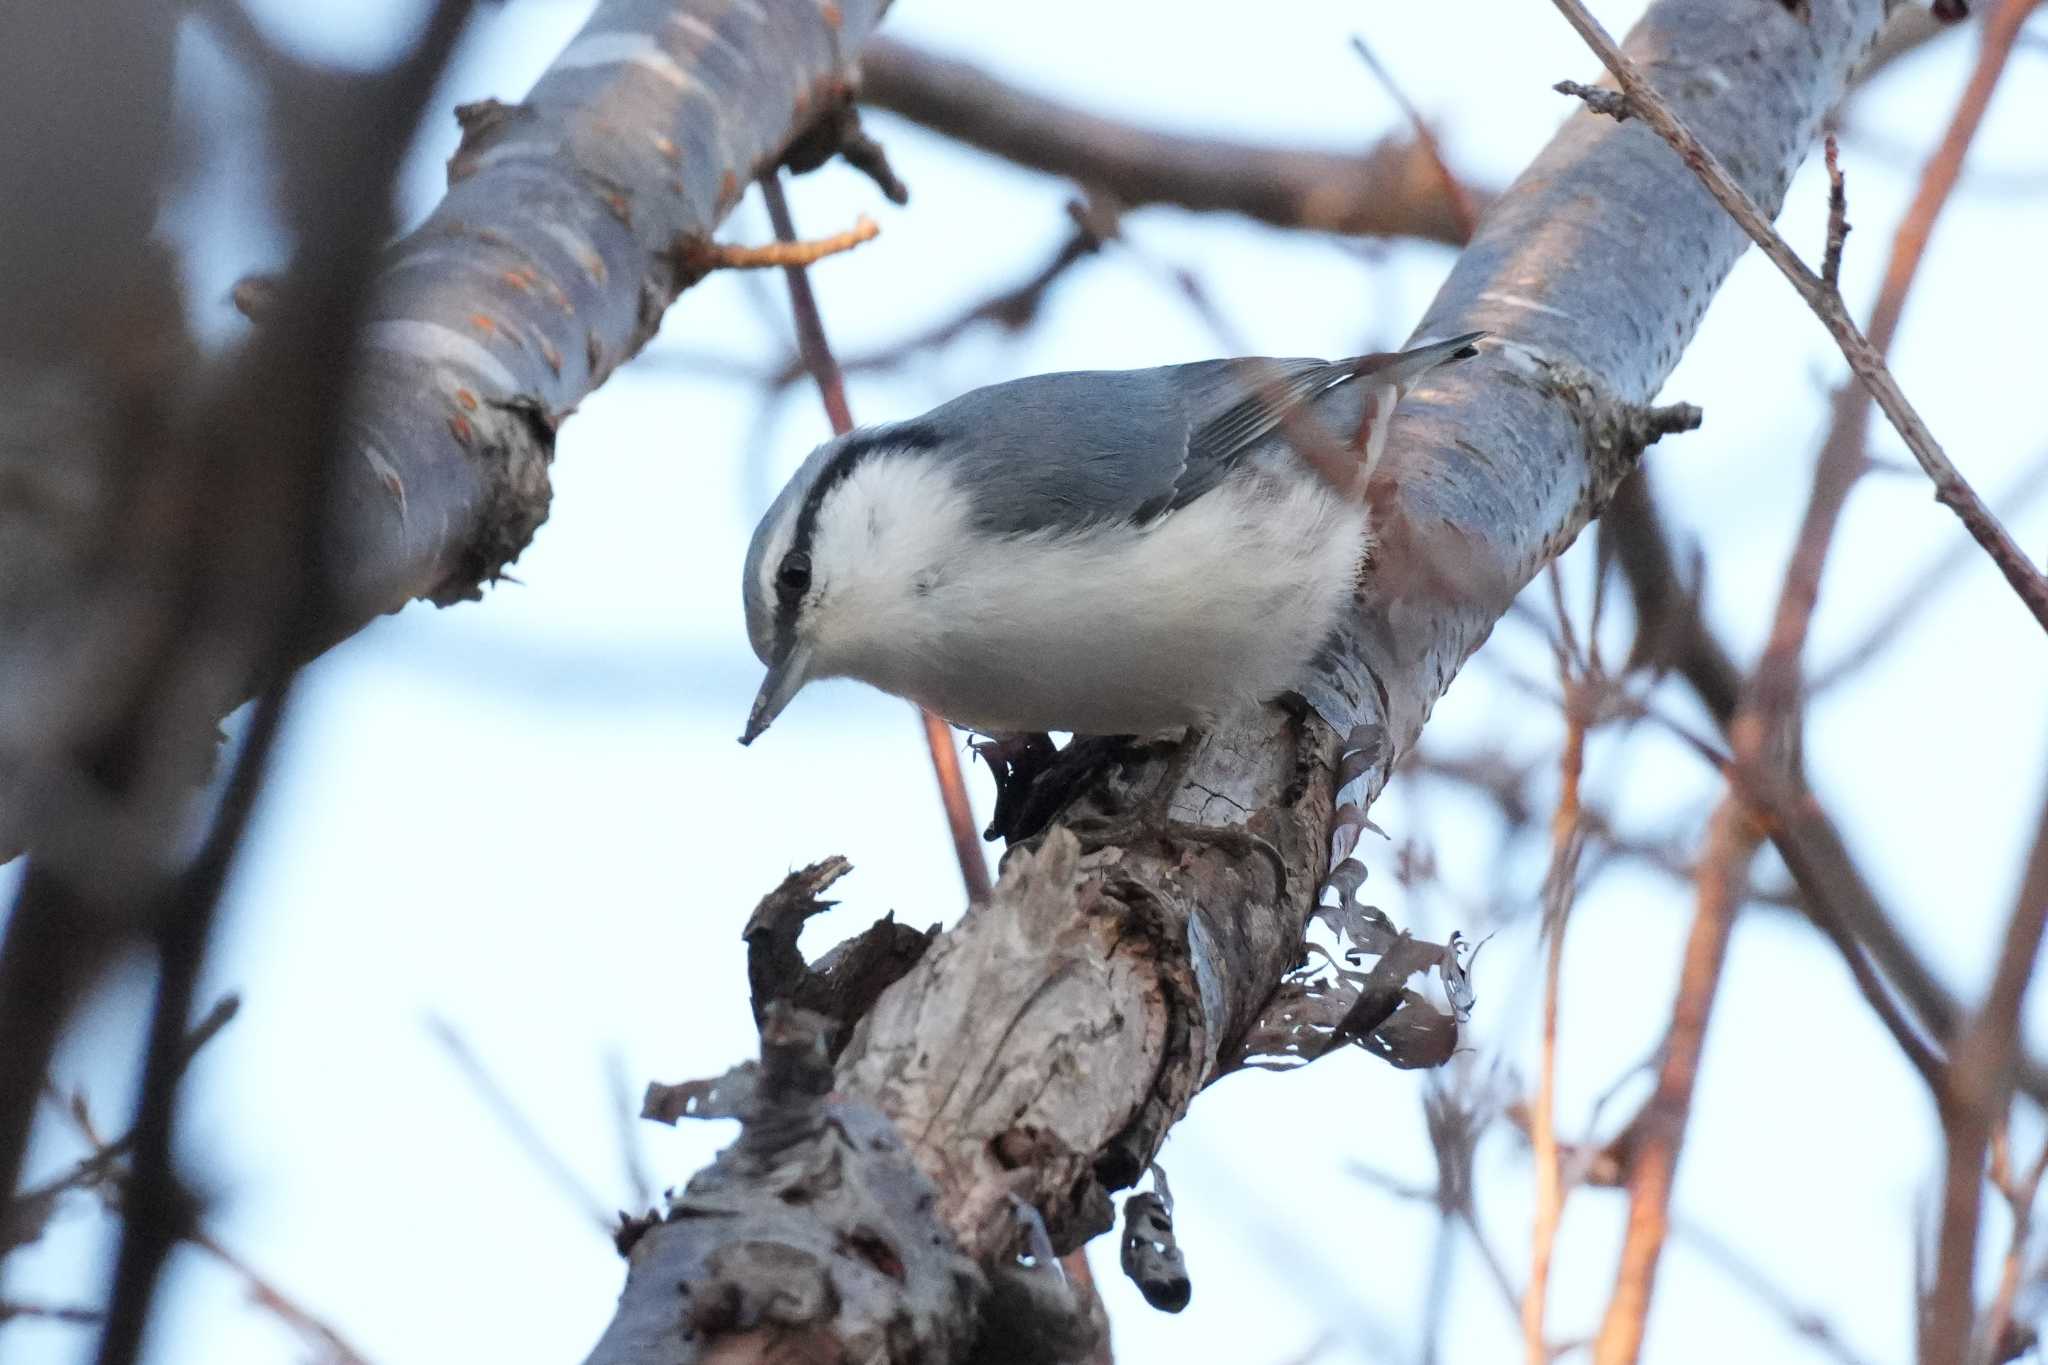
x=1401, y=369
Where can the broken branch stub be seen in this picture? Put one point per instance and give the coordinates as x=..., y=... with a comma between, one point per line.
x=812, y=1232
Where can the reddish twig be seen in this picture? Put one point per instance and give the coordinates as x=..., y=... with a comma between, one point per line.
x=1865, y=356
x=1463, y=211
x=782, y=255
x=1391, y=190
x=1922, y=587
x=1732, y=838
x=332, y=1348
x=1567, y=841
x=1980, y=1084
x=1997, y=1339
x=817, y=356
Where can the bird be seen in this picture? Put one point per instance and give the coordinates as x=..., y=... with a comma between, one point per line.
x=1106, y=552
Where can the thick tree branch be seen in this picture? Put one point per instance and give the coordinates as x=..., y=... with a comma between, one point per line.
x=572, y=221
x=1035, y=1057
x=1394, y=190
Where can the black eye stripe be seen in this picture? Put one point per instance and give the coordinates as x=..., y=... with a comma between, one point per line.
x=904, y=436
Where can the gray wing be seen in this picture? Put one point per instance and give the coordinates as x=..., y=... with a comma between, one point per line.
x=1061, y=451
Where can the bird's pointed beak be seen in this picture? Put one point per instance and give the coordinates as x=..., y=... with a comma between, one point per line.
x=786, y=677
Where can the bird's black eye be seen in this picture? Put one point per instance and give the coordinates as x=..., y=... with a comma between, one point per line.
x=793, y=579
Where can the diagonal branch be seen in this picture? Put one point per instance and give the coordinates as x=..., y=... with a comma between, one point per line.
x=1034, y=1059
x=1394, y=190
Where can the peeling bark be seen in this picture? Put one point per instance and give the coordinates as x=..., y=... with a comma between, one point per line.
x=1039, y=1052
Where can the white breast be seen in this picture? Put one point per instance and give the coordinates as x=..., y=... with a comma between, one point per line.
x=1111, y=630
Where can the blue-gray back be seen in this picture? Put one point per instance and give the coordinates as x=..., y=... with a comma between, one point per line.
x=1070, y=449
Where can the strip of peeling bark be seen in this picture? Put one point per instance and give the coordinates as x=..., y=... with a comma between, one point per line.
x=1395, y=189
x=1037, y=1055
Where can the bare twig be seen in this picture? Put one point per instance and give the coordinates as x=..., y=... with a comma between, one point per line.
x=519, y=1127
x=817, y=355
x=1980, y=1082
x=1865, y=358
x=1567, y=840
x=1923, y=586
x=11, y=1309
x=1801, y=1319
x=782, y=255
x=2018, y=1190
x=1462, y=208
x=331, y=1346
x=1732, y=838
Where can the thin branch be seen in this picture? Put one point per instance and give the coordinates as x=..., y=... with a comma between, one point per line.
x=1460, y=199
x=1731, y=840
x=1997, y=1340
x=1924, y=585
x=1808, y=1324
x=782, y=255
x=817, y=356
x=1393, y=190
x=1866, y=359
x=1834, y=893
x=524, y=1134
x=332, y=1347
x=1567, y=840
x=1980, y=1082
x=11, y=1309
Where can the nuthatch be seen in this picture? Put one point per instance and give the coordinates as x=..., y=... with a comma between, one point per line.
x=1105, y=552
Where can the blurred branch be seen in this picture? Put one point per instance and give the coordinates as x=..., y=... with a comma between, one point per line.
x=2003, y=1339
x=1980, y=1084
x=1802, y=1320
x=286, y=413
x=1731, y=841
x=1837, y=896
x=1463, y=211
x=817, y=357
x=329, y=1345
x=521, y=1129
x=1834, y=893
x=1394, y=190
x=1924, y=585
x=1765, y=727
x=1560, y=885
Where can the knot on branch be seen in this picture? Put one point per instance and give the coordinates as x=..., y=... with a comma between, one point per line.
x=1616, y=430
x=483, y=123
x=837, y=132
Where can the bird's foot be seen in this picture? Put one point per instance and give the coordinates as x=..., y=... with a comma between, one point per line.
x=1035, y=781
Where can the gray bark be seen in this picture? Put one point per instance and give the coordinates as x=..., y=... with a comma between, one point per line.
x=1039, y=1052
x=565, y=235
